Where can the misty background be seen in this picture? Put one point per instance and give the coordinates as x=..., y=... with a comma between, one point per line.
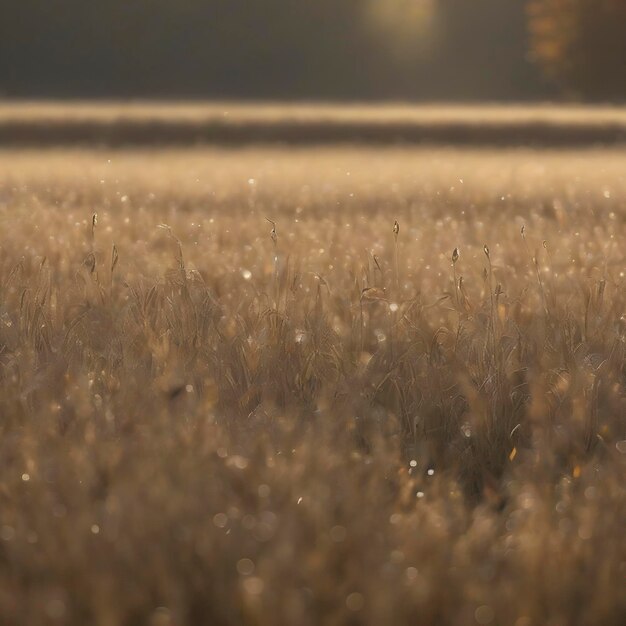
x=417, y=50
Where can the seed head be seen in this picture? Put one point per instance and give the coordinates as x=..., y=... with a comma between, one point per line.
x=396, y=228
x=273, y=234
x=455, y=256
x=486, y=250
x=90, y=262
x=373, y=293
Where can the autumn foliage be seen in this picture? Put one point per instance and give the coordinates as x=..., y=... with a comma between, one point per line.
x=580, y=44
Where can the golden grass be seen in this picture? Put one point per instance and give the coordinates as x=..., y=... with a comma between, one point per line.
x=271, y=113
x=124, y=124
x=338, y=427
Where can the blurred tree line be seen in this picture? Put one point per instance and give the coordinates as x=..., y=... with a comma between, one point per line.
x=405, y=49
x=581, y=45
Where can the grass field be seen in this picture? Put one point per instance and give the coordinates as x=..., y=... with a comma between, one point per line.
x=210, y=419
x=112, y=124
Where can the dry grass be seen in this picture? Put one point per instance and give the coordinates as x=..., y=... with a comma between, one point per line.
x=273, y=113
x=335, y=427
x=126, y=124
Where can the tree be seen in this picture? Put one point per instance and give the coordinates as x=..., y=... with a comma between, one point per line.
x=581, y=45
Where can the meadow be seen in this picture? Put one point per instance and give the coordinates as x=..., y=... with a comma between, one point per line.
x=181, y=124
x=312, y=385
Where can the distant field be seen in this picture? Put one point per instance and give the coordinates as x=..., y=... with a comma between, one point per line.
x=208, y=418
x=119, y=124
